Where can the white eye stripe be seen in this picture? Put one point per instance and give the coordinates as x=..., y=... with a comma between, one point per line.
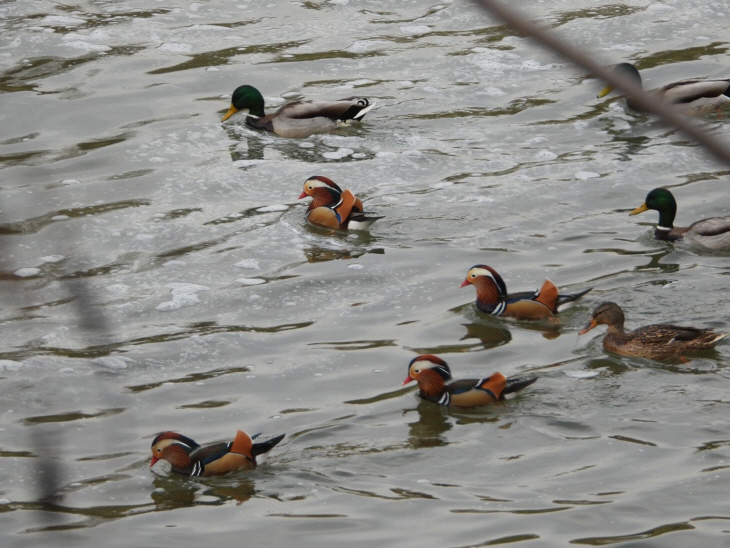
x=481, y=272
x=317, y=184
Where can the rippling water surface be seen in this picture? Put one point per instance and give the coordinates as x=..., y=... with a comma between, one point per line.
x=157, y=274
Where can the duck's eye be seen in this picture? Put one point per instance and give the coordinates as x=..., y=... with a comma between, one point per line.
x=159, y=449
x=416, y=371
x=473, y=275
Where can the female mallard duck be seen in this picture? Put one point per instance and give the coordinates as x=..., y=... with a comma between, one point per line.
x=694, y=97
x=656, y=342
x=190, y=459
x=331, y=207
x=492, y=296
x=298, y=119
x=713, y=233
x=434, y=382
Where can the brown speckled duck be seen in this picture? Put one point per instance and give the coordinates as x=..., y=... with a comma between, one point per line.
x=435, y=385
x=298, y=119
x=190, y=459
x=695, y=97
x=656, y=342
x=492, y=296
x=332, y=207
x=713, y=233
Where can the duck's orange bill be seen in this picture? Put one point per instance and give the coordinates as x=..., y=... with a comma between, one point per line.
x=588, y=328
x=464, y=283
x=153, y=461
x=303, y=195
x=408, y=379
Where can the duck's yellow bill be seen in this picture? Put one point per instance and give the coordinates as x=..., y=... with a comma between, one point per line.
x=231, y=112
x=605, y=91
x=639, y=209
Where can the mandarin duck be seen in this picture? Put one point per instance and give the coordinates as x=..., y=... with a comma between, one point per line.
x=656, y=342
x=332, y=207
x=435, y=384
x=492, y=296
x=298, y=119
x=190, y=459
x=713, y=233
x=694, y=97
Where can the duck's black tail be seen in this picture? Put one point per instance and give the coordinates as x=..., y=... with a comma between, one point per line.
x=517, y=383
x=570, y=297
x=261, y=447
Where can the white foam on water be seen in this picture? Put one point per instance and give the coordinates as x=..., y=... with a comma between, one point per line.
x=27, y=272
x=252, y=264
x=183, y=294
x=10, y=365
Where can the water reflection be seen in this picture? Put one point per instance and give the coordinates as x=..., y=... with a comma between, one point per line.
x=493, y=331
x=429, y=429
x=173, y=493
x=317, y=254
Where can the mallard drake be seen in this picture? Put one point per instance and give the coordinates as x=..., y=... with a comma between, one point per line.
x=190, y=459
x=298, y=119
x=713, y=233
x=332, y=207
x=492, y=296
x=435, y=385
x=693, y=97
x=656, y=342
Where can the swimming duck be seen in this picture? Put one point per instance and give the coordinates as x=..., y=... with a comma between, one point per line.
x=298, y=119
x=713, y=232
x=333, y=207
x=432, y=375
x=693, y=97
x=492, y=296
x=656, y=342
x=190, y=459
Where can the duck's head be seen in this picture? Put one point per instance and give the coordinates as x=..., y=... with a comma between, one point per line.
x=623, y=70
x=319, y=185
x=246, y=98
x=606, y=313
x=427, y=366
x=661, y=200
x=172, y=447
x=484, y=277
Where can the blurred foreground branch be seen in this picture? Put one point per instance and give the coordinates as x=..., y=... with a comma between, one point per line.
x=520, y=23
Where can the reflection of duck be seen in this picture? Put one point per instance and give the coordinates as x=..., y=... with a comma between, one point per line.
x=432, y=375
x=298, y=119
x=492, y=296
x=657, y=341
x=692, y=97
x=713, y=233
x=190, y=459
x=331, y=207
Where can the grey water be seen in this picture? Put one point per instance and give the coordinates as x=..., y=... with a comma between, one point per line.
x=157, y=274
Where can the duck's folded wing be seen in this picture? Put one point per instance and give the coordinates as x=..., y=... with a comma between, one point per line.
x=344, y=109
x=210, y=453
x=713, y=226
x=692, y=90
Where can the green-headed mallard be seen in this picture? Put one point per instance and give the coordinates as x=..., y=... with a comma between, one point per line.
x=434, y=382
x=693, y=97
x=298, y=119
x=656, y=342
x=713, y=233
